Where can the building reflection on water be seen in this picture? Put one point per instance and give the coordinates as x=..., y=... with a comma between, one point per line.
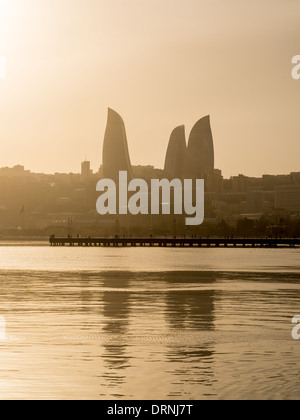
x=116, y=313
x=174, y=305
x=187, y=306
x=190, y=309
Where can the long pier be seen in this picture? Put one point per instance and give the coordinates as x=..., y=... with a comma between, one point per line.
x=177, y=242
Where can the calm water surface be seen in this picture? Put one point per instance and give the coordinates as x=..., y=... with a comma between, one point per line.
x=148, y=323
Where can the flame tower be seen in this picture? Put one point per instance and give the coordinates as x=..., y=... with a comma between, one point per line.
x=200, y=152
x=115, y=148
x=176, y=153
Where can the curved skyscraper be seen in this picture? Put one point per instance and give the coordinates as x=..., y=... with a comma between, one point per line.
x=176, y=153
x=200, y=152
x=115, y=148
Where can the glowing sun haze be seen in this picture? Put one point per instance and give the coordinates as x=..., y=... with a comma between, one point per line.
x=159, y=64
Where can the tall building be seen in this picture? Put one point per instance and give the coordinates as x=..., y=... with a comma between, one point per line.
x=86, y=169
x=200, y=151
x=115, y=148
x=176, y=154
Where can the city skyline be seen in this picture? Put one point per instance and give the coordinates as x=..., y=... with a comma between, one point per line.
x=192, y=157
x=160, y=65
x=149, y=202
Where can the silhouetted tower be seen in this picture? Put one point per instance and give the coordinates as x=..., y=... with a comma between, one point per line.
x=200, y=152
x=176, y=154
x=115, y=148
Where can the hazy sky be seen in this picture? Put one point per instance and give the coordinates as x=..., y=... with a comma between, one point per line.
x=160, y=64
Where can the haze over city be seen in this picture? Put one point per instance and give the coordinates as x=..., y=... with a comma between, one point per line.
x=160, y=64
x=149, y=202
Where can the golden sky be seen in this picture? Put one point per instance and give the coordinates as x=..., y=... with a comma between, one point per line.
x=160, y=64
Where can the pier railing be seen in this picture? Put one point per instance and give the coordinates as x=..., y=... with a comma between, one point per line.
x=176, y=242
